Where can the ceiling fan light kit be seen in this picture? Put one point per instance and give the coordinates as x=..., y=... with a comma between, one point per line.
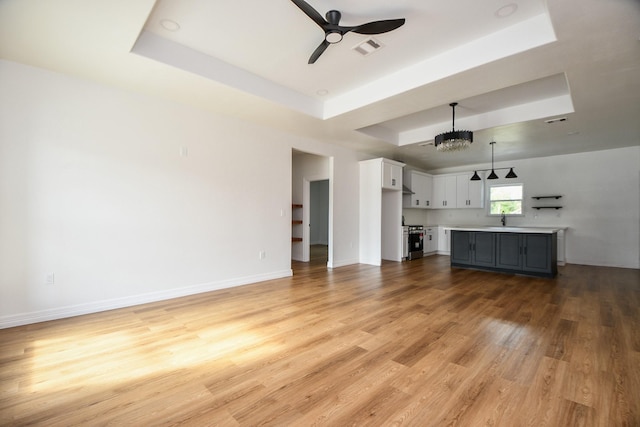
x=456, y=139
x=493, y=175
x=334, y=32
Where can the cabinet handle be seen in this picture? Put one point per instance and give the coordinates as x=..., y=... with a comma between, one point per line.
x=427, y=203
x=417, y=202
x=393, y=182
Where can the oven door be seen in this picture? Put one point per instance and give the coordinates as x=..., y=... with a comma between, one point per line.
x=416, y=244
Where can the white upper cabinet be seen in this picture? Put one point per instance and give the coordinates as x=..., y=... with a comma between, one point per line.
x=391, y=174
x=469, y=194
x=421, y=185
x=444, y=192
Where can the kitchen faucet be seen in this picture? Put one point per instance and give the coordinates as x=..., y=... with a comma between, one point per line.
x=503, y=219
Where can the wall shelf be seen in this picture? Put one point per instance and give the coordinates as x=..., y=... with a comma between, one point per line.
x=555, y=196
x=296, y=206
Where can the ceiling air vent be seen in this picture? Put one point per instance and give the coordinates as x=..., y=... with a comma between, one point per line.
x=556, y=120
x=368, y=46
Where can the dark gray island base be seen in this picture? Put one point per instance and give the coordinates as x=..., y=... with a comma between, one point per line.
x=527, y=253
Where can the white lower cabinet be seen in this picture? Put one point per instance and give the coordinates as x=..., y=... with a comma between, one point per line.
x=430, y=240
x=444, y=241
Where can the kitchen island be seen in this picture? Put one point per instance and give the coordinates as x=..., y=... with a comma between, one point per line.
x=519, y=250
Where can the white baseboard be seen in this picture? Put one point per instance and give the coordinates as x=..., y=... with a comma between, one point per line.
x=342, y=263
x=129, y=301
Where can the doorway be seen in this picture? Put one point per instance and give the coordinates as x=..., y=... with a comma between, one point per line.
x=319, y=221
x=311, y=194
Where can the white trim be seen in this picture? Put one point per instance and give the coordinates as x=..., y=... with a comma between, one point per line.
x=98, y=306
x=343, y=263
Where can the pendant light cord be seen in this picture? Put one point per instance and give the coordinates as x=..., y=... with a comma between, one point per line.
x=492, y=143
x=453, y=119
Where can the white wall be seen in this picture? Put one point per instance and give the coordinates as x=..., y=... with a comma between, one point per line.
x=601, y=204
x=93, y=188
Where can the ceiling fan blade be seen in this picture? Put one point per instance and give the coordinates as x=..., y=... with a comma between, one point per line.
x=379, y=27
x=310, y=12
x=319, y=51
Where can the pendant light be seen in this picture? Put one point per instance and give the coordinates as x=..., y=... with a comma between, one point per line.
x=456, y=139
x=493, y=174
x=511, y=174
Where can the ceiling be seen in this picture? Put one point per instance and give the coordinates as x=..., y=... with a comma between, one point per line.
x=511, y=66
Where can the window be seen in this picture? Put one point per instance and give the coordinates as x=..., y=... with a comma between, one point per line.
x=505, y=198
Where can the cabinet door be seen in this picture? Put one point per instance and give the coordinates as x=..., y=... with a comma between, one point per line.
x=476, y=193
x=417, y=186
x=470, y=194
x=420, y=186
x=427, y=186
x=462, y=191
x=438, y=192
x=484, y=249
x=444, y=243
x=391, y=176
x=461, y=247
x=450, y=190
x=536, y=252
x=444, y=192
x=430, y=240
x=509, y=251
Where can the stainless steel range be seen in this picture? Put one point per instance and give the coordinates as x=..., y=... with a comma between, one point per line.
x=416, y=241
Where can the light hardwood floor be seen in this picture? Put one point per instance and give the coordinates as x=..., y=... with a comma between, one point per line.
x=413, y=343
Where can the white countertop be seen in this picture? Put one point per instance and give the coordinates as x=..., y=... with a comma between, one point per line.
x=499, y=229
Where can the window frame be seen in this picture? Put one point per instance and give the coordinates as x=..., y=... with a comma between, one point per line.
x=489, y=201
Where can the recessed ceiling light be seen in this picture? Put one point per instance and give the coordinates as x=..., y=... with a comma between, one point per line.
x=169, y=25
x=575, y=132
x=506, y=10
x=322, y=92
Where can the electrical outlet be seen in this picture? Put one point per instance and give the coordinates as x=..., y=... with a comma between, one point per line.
x=50, y=279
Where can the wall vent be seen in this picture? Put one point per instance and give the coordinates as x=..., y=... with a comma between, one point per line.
x=556, y=120
x=368, y=46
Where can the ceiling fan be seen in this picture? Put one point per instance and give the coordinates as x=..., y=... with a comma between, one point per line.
x=333, y=32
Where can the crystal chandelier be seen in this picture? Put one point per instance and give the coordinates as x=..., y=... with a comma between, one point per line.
x=456, y=139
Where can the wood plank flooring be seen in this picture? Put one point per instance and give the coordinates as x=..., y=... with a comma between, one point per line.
x=406, y=344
